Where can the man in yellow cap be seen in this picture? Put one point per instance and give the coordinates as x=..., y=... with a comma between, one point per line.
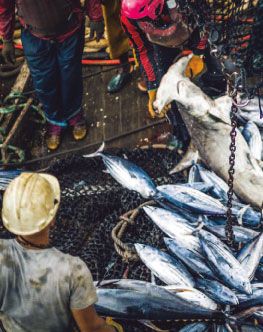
x=41, y=288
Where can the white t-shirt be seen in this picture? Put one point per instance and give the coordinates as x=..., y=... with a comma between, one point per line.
x=39, y=287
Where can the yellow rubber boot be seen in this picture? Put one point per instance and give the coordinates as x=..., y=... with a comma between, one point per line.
x=53, y=137
x=80, y=131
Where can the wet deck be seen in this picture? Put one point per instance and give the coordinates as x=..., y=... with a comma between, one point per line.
x=119, y=119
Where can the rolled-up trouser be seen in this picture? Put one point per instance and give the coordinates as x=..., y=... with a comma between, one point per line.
x=57, y=74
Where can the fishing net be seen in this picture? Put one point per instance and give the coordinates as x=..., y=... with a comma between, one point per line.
x=91, y=205
x=235, y=28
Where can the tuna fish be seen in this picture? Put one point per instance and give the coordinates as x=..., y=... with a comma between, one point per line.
x=165, y=267
x=250, y=256
x=217, y=291
x=253, y=139
x=200, y=186
x=224, y=264
x=149, y=303
x=252, y=300
x=242, y=234
x=220, y=186
x=246, y=215
x=194, y=175
x=251, y=116
x=195, y=327
x=191, y=200
x=126, y=173
x=193, y=295
x=208, y=122
x=171, y=223
x=195, y=261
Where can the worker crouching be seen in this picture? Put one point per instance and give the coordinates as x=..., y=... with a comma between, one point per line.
x=53, y=42
x=41, y=288
x=158, y=32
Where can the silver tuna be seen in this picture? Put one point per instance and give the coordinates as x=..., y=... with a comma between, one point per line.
x=217, y=291
x=126, y=173
x=165, y=267
x=139, y=300
x=194, y=260
x=191, y=200
x=242, y=234
x=250, y=256
x=193, y=295
x=171, y=223
x=195, y=327
x=224, y=264
x=253, y=139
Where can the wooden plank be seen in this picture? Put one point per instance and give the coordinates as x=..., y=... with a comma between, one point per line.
x=108, y=115
x=22, y=79
x=19, y=86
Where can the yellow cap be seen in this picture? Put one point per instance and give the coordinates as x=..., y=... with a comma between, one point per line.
x=30, y=203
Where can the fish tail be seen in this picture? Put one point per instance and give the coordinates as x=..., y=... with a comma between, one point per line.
x=200, y=224
x=96, y=153
x=241, y=213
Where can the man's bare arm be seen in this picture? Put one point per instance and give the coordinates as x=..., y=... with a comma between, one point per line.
x=88, y=321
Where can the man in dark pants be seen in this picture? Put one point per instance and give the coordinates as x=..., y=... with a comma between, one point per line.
x=53, y=40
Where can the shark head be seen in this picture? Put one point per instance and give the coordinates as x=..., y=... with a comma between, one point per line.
x=175, y=86
x=167, y=90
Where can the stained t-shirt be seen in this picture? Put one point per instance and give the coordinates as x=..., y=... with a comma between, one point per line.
x=38, y=288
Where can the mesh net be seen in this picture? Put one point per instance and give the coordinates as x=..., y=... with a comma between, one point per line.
x=235, y=27
x=91, y=205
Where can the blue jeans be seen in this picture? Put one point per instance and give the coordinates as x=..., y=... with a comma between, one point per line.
x=56, y=71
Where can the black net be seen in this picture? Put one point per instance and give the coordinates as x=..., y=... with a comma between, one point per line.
x=91, y=205
x=235, y=28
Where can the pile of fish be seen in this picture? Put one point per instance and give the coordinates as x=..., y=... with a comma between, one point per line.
x=209, y=125
x=198, y=276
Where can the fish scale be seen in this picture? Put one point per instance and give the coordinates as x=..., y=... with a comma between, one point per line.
x=171, y=223
x=250, y=256
x=192, y=200
x=193, y=259
x=165, y=267
x=224, y=264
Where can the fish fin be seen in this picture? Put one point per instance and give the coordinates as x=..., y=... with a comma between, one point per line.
x=152, y=326
x=200, y=225
x=241, y=213
x=189, y=159
x=132, y=175
x=153, y=280
x=97, y=153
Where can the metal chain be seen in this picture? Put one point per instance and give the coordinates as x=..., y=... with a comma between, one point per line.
x=231, y=171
